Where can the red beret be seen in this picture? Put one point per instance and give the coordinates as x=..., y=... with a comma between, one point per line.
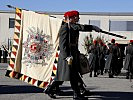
x=71, y=13
x=68, y=14
x=101, y=42
x=104, y=45
x=95, y=41
x=76, y=13
x=131, y=41
x=113, y=41
x=117, y=44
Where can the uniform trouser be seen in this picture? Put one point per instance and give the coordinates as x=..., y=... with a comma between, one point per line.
x=129, y=75
x=75, y=80
x=111, y=71
x=113, y=66
x=5, y=60
x=129, y=71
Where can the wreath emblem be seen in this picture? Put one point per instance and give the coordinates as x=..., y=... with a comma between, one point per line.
x=38, y=47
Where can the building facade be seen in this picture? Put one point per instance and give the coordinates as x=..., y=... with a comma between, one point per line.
x=6, y=27
x=118, y=23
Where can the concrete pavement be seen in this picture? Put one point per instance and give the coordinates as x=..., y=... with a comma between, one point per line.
x=4, y=65
x=104, y=88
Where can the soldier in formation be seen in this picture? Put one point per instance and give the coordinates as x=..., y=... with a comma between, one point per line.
x=128, y=65
x=112, y=61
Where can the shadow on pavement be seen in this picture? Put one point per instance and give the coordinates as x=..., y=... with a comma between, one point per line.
x=64, y=87
x=102, y=95
x=10, y=89
x=112, y=95
x=68, y=93
x=98, y=95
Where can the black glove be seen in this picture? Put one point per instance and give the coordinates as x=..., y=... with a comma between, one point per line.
x=97, y=29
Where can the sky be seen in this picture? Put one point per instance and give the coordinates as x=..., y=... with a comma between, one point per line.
x=66, y=5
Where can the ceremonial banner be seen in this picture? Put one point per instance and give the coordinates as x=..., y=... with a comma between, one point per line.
x=34, y=53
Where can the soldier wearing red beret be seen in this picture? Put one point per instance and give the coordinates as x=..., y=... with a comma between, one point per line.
x=112, y=60
x=68, y=44
x=113, y=41
x=102, y=54
x=131, y=41
x=128, y=65
x=120, y=59
x=95, y=42
x=93, y=58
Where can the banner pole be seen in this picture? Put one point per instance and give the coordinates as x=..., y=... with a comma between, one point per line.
x=9, y=6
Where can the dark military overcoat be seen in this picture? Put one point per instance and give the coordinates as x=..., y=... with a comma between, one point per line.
x=128, y=65
x=93, y=58
x=68, y=48
x=102, y=56
x=112, y=60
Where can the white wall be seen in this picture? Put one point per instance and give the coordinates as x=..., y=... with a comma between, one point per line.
x=5, y=31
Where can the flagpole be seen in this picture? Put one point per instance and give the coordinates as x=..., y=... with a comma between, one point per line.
x=10, y=6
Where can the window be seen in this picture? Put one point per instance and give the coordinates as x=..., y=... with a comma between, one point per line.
x=94, y=22
x=121, y=25
x=11, y=22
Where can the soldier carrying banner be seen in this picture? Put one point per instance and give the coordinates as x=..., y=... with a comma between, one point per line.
x=68, y=43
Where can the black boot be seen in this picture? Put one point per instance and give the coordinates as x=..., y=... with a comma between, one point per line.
x=52, y=95
x=127, y=75
x=58, y=91
x=95, y=75
x=49, y=91
x=101, y=72
x=111, y=76
x=78, y=96
x=84, y=92
x=90, y=74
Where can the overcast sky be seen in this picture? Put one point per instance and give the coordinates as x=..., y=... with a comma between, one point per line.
x=65, y=5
